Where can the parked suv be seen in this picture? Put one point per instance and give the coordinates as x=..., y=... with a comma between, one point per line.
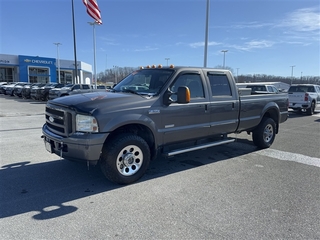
x=3, y=87
x=17, y=90
x=34, y=89
x=43, y=92
x=69, y=89
x=10, y=88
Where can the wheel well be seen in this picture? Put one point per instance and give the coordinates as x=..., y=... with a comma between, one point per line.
x=139, y=130
x=273, y=113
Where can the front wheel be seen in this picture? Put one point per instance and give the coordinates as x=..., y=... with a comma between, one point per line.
x=264, y=135
x=125, y=159
x=46, y=97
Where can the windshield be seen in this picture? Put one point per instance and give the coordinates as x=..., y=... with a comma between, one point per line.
x=144, y=81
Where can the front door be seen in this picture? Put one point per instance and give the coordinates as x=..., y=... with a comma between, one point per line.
x=187, y=121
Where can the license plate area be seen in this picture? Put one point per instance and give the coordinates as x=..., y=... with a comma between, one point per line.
x=48, y=145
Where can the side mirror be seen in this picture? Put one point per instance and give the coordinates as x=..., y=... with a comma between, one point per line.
x=183, y=95
x=167, y=97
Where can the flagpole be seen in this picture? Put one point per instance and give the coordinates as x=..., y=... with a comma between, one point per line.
x=94, y=53
x=74, y=44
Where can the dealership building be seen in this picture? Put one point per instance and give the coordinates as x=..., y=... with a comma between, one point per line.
x=35, y=69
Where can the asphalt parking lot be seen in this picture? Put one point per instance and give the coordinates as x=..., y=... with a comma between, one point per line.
x=233, y=191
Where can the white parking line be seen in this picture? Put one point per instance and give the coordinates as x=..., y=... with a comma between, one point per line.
x=287, y=156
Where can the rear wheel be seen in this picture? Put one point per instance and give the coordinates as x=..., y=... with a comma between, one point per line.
x=310, y=110
x=125, y=159
x=264, y=135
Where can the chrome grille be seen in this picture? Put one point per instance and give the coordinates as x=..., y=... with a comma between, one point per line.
x=59, y=120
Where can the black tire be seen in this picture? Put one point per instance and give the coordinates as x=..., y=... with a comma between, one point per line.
x=310, y=111
x=125, y=159
x=46, y=97
x=264, y=135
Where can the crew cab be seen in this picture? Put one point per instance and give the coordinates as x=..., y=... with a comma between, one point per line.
x=304, y=97
x=158, y=110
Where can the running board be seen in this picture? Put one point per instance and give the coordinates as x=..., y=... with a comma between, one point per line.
x=198, y=147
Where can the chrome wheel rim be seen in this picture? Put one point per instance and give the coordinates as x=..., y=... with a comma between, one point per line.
x=129, y=160
x=268, y=133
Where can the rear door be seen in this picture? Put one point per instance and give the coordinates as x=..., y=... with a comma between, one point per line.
x=85, y=88
x=224, y=106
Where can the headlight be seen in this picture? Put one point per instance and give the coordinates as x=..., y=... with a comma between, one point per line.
x=86, y=123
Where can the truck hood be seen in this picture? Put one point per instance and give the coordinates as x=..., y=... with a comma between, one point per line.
x=90, y=102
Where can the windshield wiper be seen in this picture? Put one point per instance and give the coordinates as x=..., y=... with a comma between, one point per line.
x=130, y=91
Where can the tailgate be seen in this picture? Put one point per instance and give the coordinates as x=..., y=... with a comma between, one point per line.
x=296, y=97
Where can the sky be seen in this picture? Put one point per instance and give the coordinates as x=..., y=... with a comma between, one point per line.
x=260, y=36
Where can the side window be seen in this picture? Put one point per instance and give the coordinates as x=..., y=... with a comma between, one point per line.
x=179, y=82
x=311, y=89
x=270, y=89
x=75, y=87
x=275, y=90
x=195, y=86
x=192, y=81
x=220, y=85
x=85, y=86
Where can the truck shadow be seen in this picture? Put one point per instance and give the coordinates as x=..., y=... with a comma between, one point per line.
x=46, y=190
x=293, y=114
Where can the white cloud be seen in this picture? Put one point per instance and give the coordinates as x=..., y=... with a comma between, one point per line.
x=251, y=25
x=302, y=20
x=201, y=44
x=147, y=48
x=254, y=44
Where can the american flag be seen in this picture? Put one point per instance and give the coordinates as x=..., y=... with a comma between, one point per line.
x=93, y=10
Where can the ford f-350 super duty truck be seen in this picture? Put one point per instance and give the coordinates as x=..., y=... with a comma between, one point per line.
x=158, y=110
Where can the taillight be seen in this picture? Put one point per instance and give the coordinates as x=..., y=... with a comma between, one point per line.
x=306, y=96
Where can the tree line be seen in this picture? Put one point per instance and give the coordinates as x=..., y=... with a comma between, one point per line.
x=116, y=74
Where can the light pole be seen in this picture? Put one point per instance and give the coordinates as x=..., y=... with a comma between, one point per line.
x=224, y=57
x=58, y=60
x=292, y=73
x=94, y=53
x=237, y=75
x=206, y=35
x=116, y=73
x=167, y=59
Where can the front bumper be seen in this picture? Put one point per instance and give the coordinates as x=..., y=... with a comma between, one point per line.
x=79, y=146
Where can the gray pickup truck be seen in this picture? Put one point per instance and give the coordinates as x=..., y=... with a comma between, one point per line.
x=158, y=110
